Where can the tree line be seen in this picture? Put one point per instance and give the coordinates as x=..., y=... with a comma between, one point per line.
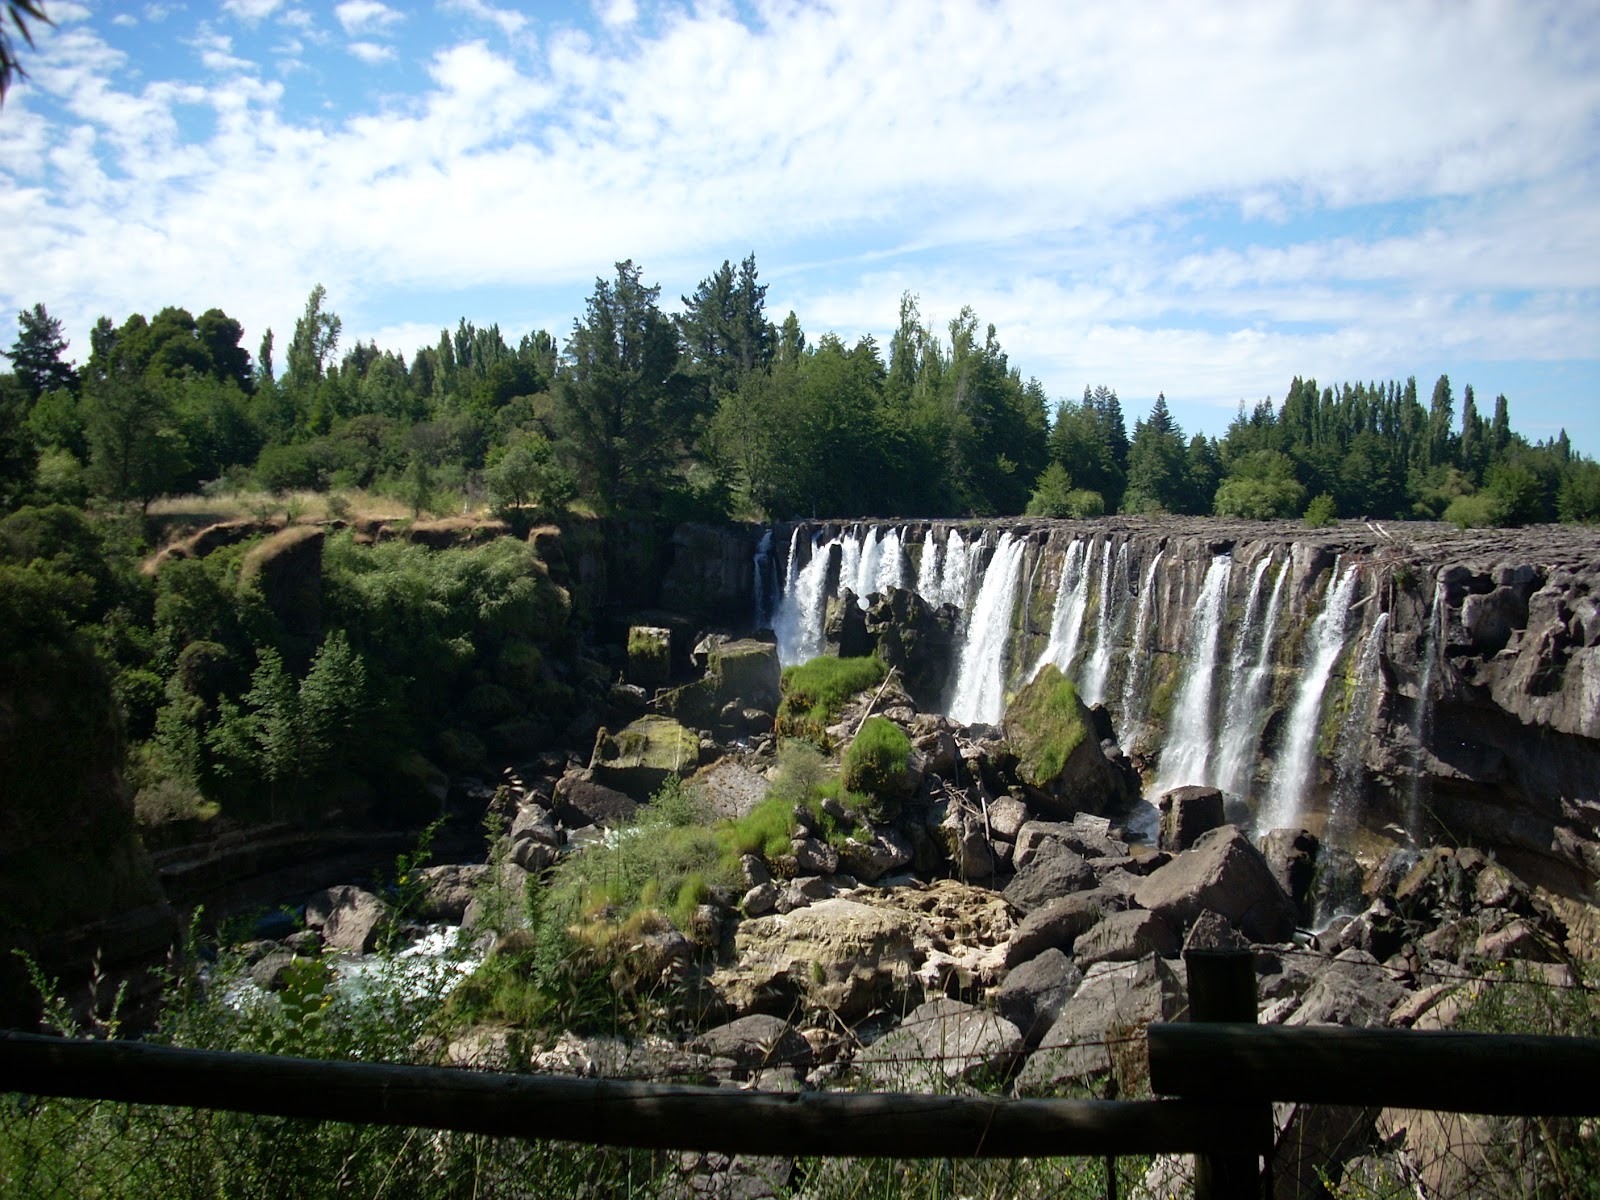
x=715, y=411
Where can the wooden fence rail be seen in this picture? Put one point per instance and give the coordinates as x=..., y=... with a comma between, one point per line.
x=1220, y=1073
x=610, y=1112
x=1504, y=1074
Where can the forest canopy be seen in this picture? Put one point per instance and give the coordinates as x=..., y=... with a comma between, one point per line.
x=718, y=410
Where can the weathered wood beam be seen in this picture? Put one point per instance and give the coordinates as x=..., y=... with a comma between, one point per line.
x=1504, y=1074
x=607, y=1112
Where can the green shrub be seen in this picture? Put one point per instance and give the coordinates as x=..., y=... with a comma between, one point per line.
x=1480, y=511
x=1083, y=503
x=764, y=830
x=1321, y=511
x=876, y=763
x=814, y=693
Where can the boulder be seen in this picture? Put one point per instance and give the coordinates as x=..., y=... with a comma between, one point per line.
x=756, y=1042
x=1052, y=874
x=1058, y=759
x=838, y=955
x=915, y=639
x=960, y=932
x=1186, y=813
x=939, y=1043
x=1108, y=1013
x=349, y=918
x=1007, y=816
x=639, y=758
x=447, y=890
x=1222, y=872
x=1123, y=937
x=887, y=850
x=1353, y=989
x=1033, y=994
x=732, y=790
x=649, y=655
x=581, y=801
x=1059, y=924
x=740, y=675
x=1291, y=856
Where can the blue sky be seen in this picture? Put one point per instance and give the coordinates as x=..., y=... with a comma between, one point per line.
x=1200, y=199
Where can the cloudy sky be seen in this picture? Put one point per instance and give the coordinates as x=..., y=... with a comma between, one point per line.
x=1200, y=199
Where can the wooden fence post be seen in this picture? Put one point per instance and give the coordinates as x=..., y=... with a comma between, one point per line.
x=1222, y=987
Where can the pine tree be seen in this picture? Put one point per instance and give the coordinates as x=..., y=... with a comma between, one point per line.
x=36, y=355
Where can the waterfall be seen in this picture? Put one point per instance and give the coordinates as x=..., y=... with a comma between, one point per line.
x=766, y=581
x=1108, y=623
x=928, y=569
x=891, y=569
x=863, y=582
x=1422, y=716
x=954, y=584
x=1139, y=654
x=804, y=607
x=979, y=695
x=1187, y=753
x=1248, y=690
x=1344, y=810
x=1066, y=619
x=849, y=561
x=1292, y=780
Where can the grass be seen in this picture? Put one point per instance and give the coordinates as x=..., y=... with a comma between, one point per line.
x=814, y=693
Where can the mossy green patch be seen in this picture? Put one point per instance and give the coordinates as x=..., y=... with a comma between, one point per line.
x=814, y=693
x=1045, y=725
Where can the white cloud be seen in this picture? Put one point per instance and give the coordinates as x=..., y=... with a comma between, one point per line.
x=251, y=11
x=216, y=53
x=1183, y=202
x=510, y=22
x=160, y=12
x=366, y=17
x=64, y=11
x=616, y=13
x=125, y=20
x=371, y=52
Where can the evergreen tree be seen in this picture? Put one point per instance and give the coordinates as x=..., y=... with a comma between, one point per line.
x=1157, y=464
x=37, y=354
x=624, y=409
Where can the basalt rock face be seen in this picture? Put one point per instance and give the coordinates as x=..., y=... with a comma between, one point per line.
x=1460, y=696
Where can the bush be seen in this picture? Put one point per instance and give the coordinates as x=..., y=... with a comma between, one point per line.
x=814, y=693
x=1321, y=511
x=876, y=763
x=1083, y=503
x=1480, y=511
x=1051, y=492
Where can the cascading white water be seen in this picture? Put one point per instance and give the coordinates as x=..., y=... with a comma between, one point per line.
x=928, y=569
x=1248, y=689
x=1292, y=778
x=866, y=573
x=979, y=695
x=1344, y=809
x=1066, y=618
x=1187, y=754
x=1139, y=657
x=849, y=558
x=1110, y=618
x=955, y=583
x=804, y=607
x=891, y=569
x=1422, y=715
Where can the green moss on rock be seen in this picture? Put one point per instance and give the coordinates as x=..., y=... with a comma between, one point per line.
x=1045, y=724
